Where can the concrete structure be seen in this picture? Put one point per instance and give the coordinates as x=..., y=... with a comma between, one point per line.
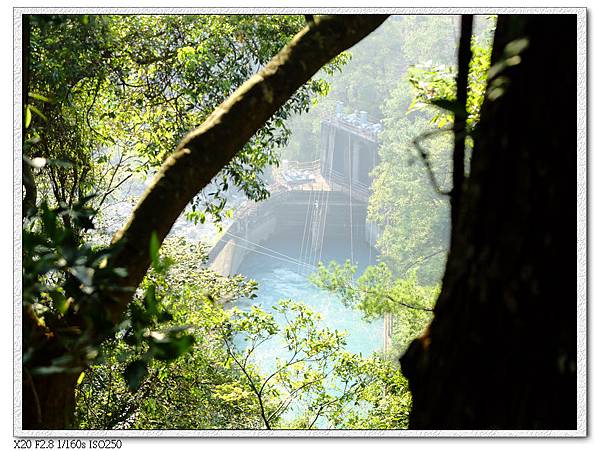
x=348, y=154
x=285, y=214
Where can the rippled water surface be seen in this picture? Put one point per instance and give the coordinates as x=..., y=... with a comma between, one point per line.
x=281, y=281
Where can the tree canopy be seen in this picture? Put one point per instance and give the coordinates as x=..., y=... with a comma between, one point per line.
x=126, y=89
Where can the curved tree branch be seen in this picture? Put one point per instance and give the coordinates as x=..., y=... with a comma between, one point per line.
x=206, y=150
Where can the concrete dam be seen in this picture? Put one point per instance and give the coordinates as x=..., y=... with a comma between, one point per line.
x=317, y=212
x=302, y=227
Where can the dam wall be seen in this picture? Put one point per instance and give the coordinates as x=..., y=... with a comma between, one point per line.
x=297, y=217
x=295, y=224
x=239, y=239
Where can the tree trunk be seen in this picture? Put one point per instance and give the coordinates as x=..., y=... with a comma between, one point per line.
x=500, y=352
x=48, y=401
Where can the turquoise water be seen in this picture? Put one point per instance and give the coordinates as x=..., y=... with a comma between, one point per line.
x=279, y=280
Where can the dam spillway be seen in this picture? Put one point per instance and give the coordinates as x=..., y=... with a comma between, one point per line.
x=297, y=226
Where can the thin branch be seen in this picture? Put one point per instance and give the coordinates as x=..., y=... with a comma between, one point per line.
x=251, y=382
x=422, y=259
x=350, y=287
x=460, y=119
x=424, y=155
x=345, y=393
x=396, y=301
x=109, y=192
x=279, y=370
x=89, y=109
x=316, y=416
x=292, y=395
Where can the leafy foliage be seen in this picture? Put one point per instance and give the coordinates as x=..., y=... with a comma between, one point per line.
x=122, y=91
x=435, y=85
x=110, y=96
x=415, y=218
x=414, y=169
x=62, y=282
x=66, y=291
x=377, y=292
x=220, y=384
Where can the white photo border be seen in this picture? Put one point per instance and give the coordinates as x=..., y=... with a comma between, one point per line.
x=582, y=288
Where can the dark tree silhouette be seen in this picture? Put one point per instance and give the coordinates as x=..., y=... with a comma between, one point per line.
x=501, y=350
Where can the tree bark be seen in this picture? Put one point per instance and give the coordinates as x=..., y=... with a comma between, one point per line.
x=198, y=158
x=500, y=352
x=48, y=401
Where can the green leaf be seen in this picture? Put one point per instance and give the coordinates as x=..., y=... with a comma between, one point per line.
x=120, y=272
x=516, y=47
x=83, y=273
x=60, y=302
x=35, y=95
x=45, y=370
x=151, y=304
x=38, y=112
x=135, y=373
x=27, y=116
x=154, y=247
x=170, y=348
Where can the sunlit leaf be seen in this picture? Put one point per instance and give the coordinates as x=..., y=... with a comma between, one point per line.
x=38, y=96
x=154, y=250
x=27, y=116
x=38, y=112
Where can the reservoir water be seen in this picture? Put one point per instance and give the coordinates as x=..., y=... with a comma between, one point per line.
x=280, y=280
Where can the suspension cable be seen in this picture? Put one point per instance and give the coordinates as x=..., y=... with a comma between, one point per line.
x=328, y=193
x=305, y=229
x=367, y=215
x=263, y=253
x=292, y=259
